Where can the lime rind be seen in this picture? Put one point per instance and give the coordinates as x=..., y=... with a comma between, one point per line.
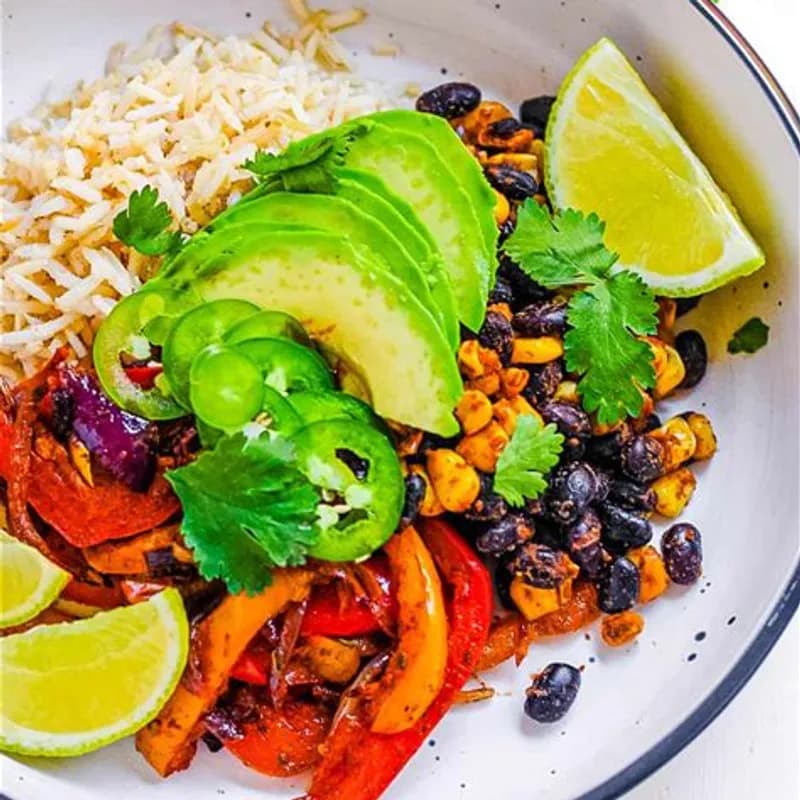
x=741, y=255
x=167, y=609
x=51, y=581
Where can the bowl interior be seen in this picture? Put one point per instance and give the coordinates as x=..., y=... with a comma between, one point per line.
x=746, y=503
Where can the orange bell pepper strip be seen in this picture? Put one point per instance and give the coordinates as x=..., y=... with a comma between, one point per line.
x=415, y=673
x=170, y=740
x=359, y=763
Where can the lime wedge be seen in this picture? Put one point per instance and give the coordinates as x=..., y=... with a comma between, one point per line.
x=75, y=686
x=611, y=149
x=29, y=583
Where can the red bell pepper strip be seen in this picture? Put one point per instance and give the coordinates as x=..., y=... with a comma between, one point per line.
x=359, y=764
x=333, y=609
x=249, y=668
x=144, y=377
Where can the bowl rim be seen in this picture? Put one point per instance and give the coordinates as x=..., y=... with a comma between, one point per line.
x=789, y=600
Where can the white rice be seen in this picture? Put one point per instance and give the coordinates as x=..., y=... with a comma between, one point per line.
x=181, y=113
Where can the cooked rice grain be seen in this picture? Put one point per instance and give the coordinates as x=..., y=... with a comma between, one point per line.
x=181, y=113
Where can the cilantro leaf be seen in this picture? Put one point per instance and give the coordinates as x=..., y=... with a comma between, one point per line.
x=144, y=224
x=751, y=337
x=310, y=164
x=532, y=452
x=605, y=316
x=246, y=509
x=564, y=249
x=601, y=347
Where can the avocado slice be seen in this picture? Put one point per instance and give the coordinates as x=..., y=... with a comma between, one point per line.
x=438, y=132
x=411, y=167
x=338, y=215
x=345, y=301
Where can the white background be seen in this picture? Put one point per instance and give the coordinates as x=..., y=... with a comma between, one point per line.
x=752, y=751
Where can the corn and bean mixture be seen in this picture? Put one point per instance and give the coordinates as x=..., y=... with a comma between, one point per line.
x=593, y=523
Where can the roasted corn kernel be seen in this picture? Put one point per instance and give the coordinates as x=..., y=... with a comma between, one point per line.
x=653, y=578
x=672, y=375
x=502, y=209
x=673, y=491
x=469, y=362
x=706, y=439
x=332, y=659
x=667, y=312
x=619, y=629
x=80, y=458
x=454, y=481
x=678, y=441
x=537, y=350
x=430, y=506
x=534, y=602
x=506, y=134
x=659, y=350
x=537, y=149
x=482, y=449
x=474, y=411
x=513, y=381
x=525, y=162
x=488, y=384
x=567, y=392
x=507, y=410
x=409, y=444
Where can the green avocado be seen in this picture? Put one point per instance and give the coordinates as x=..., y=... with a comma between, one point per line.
x=346, y=301
x=338, y=215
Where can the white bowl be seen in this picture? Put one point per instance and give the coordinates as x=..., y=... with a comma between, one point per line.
x=637, y=707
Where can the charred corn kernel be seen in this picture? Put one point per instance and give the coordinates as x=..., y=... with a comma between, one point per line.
x=474, y=411
x=706, y=439
x=409, y=444
x=332, y=659
x=501, y=308
x=648, y=406
x=469, y=360
x=524, y=162
x=430, y=505
x=481, y=117
x=567, y=392
x=80, y=458
x=488, y=384
x=517, y=141
x=667, y=312
x=513, y=381
x=673, y=374
x=659, y=351
x=482, y=449
x=603, y=428
x=534, y=602
x=507, y=410
x=490, y=359
x=501, y=208
x=537, y=350
x=455, y=482
x=673, y=491
x=537, y=149
x=522, y=406
x=678, y=441
x=540, y=199
x=653, y=578
x=619, y=629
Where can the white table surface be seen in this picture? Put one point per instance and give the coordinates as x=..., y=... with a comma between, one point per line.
x=752, y=751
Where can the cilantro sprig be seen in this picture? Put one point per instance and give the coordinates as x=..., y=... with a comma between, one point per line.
x=606, y=314
x=750, y=337
x=144, y=224
x=531, y=453
x=247, y=508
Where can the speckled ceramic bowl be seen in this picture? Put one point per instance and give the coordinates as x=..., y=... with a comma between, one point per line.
x=638, y=706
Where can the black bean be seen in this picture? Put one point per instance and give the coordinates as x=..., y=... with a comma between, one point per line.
x=502, y=292
x=543, y=382
x=683, y=305
x=549, y=533
x=682, y=548
x=525, y=289
x=603, y=486
x=496, y=334
x=573, y=423
x=606, y=450
x=63, y=414
x=449, y=100
x=642, y=458
x=633, y=495
x=584, y=544
x=507, y=228
x=211, y=742
x=502, y=583
x=489, y=506
x=541, y=319
x=540, y=566
x=572, y=489
x=415, y=492
x=618, y=588
x=649, y=423
x=624, y=528
x=504, y=535
x=535, y=112
x=552, y=692
x=692, y=349
x=513, y=183
x=502, y=128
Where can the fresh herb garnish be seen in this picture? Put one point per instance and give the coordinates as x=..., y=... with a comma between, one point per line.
x=751, y=337
x=605, y=316
x=246, y=509
x=144, y=224
x=308, y=165
x=532, y=452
